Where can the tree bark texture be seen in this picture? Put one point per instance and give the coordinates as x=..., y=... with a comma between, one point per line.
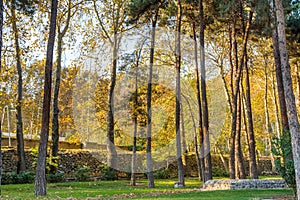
x=279, y=80
x=205, y=125
x=234, y=76
x=1, y=29
x=111, y=149
x=268, y=128
x=239, y=63
x=288, y=91
x=40, y=179
x=20, y=140
x=178, y=94
x=149, y=109
x=198, y=93
x=195, y=138
x=55, y=120
x=240, y=169
x=252, y=152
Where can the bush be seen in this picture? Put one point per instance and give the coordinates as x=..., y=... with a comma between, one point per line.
x=109, y=174
x=6, y=179
x=14, y=178
x=162, y=173
x=219, y=172
x=283, y=147
x=56, y=178
x=82, y=174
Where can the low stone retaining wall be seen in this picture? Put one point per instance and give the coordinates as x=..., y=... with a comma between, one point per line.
x=243, y=184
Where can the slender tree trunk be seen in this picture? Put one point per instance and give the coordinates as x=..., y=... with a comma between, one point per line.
x=226, y=89
x=133, y=161
x=237, y=78
x=252, y=152
x=1, y=4
x=225, y=164
x=135, y=121
x=268, y=127
x=235, y=75
x=178, y=94
x=183, y=139
x=199, y=125
x=195, y=138
x=238, y=146
x=250, y=129
x=244, y=109
x=298, y=85
x=281, y=92
x=111, y=149
x=278, y=127
x=1, y=28
x=40, y=179
x=55, y=120
x=20, y=147
x=279, y=80
x=205, y=125
x=149, y=109
x=288, y=91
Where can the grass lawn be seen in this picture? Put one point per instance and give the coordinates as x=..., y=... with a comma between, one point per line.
x=121, y=189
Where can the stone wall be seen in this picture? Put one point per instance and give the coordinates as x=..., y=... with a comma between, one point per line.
x=33, y=143
x=243, y=184
x=70, y=160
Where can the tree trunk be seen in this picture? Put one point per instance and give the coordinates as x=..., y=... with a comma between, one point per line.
x=268, y=127
x=240, y=169
x=111, y=148
x=237, y=78
x=133, y=161
x=279, y=80
x=149, y=109
x=278, y=127
x=288, y=91
x=281, y=91
x=195, y=139
x=234, y=78
x=183, y=139
x=1, y=4
x=199, y=125
x=252, y=152
x=55, y=120
x=298, y=84
x=40, y=179
x=225, y=164
x=178, y=94
x=205, y=125
x=135, y=121
x=1, y=29
x=20, y=147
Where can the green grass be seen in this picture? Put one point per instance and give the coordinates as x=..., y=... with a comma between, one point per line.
x=226, y=195
x=105, y=189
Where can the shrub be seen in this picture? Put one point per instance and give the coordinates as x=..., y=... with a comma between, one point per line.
x=109, y=174
x=82, y=174
x=56, y=178
x=162, y=173
x=14, y=178
x=219, y=172
x=282, y=147
x=6, y=179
